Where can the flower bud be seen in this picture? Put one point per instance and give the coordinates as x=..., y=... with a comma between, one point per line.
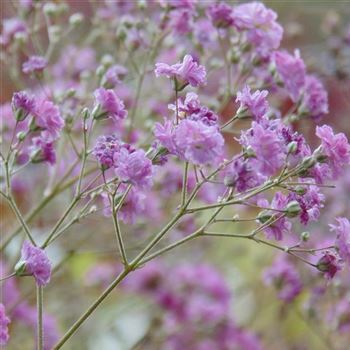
x=107, y=60
x=308, y=162
x=54, y=33
x=21, y=136
x=305, y=236
x=300, y=190
x=293, y=209
x=292, y=147
x=76, y=19
x=264, y=216
x=20, y=268
x=249, y=152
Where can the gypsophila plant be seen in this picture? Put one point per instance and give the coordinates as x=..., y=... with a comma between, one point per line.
x=165, y=122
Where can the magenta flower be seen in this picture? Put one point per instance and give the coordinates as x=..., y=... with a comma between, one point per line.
x=342, y=229
x=108, y=104
x=105, y=149
x=315, y=98
x=36, y=262
x=221, y=15
x=181, y=21
x=260, y=25
x=335, y=146
x=10, y=28
x=292, y=72
x=35, y=64
x=242, y=175
x=281, y=226
x=329, y=264
x=23, y=105
x=48, y=118
x=255, y=103
x=284, y=276
x=267, y=145
x=198, y=143
x=133, y=167
x=114, y=76
x=4, y=322
x=164, y=133
x=187, y=72
x=43, y=150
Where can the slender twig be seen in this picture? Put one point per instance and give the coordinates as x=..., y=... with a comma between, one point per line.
x=40, y=330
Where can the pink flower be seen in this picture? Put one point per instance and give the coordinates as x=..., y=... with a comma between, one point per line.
x=36, y=263
x=23, y=105
x=187, y=72
x=268, y=147
x=35, y=64
x=292, y=72
x=48, y=118
x=4, y=322
x=42, y=150
x=108, y=104
x=284, y=276
x=198, y=143
x=114, y=75
x=133, y=167
x=260, y=24
x=329, y=264
x=221, y=15
x=342, y=229
x=336, y=147
x=255, y=103
x=315, y=98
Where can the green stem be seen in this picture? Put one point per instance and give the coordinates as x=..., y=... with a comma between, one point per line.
x=40, y=331
x=184, y=184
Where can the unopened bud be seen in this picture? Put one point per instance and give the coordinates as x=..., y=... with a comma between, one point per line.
x=21, y=136
x=305, y=236
x=264, y=216
x=293, y=209
x=308, y=162
x=76, y=19
x=292, y=147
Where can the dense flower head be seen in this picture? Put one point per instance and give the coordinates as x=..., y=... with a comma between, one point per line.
x=342, y=230
x=106, y=147
x=198, y=143
x=36, y=263
x=23, y=104
x=268, y=147
x=4, y=322
x=186, y=72
x=260, y=25
x=315, y=98
x=35, y=64
x=133, y=167
x=291, y=70
x=283, y=275
x=47, y=118
x=255, y=104
x=336, y=147
x=221, y=14
x=108, y=104
x=192, y=109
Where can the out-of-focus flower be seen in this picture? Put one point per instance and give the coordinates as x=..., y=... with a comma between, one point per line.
x=336, y=147
x=342, y=229
x=315, y=99
x=221, y=15
x=35, y=261
x=186, y=72
x=260, y=25
x=108, y=104
x=283, y=275
x=35, y=64
x=4, y=322
x=10, y=28
x=22, y=104
x=292, y=71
